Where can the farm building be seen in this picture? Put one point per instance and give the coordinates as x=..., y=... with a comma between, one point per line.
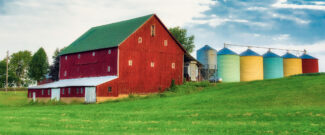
x=309, y=64
x=208, y=57
x=251, y=66
x=134, y=56
x=228, y=65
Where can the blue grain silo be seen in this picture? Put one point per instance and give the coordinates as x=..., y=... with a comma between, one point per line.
x=208, y=57
x=273, y=65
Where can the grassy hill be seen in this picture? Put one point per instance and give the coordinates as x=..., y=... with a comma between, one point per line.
x=294, y=105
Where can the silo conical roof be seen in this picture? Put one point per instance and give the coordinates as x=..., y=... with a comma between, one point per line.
x=270, y=54
x=206, y=47
x=249, y=52
x=307, y=56
x=289, y=55
x=226, y=51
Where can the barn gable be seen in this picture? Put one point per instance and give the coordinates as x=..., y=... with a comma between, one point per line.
x=105, y=36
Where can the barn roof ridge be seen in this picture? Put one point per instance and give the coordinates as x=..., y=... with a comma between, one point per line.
x=106, y=36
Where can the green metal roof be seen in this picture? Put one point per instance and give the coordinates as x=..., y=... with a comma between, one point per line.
x=105, y=36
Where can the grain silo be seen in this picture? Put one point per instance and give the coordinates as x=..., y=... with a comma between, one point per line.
x=207, y=56
x=251, y=66
x=292, y=65
x=228, y=65
x=309, y=64
x=273, y=65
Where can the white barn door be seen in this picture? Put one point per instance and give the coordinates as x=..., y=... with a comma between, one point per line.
x=90, y=94
x=55, y=94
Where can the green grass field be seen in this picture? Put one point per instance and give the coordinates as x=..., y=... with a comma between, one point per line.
x=294, y=105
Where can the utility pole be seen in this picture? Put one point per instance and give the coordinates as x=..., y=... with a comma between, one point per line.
x=7, y=71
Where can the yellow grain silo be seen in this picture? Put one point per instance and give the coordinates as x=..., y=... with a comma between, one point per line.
x=251, y=66
x=292, y=65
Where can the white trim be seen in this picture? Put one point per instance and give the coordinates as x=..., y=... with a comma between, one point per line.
x=80, y=82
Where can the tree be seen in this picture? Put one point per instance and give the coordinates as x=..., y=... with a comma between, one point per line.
x=38, y=67
x=19, y=65
x=11, y=75
x=54, y=68
x=181, y=36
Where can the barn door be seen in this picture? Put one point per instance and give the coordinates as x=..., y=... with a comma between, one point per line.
x=55, y=94
x=90, y=94
x=34, y=96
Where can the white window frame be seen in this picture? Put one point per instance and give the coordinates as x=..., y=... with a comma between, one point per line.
x=66, y=57
x=140, y=40
x=94, y=54
x=130, y=63
x=65, y=73
x=153, y=30
x=173, y=65
x=152, y=64
x=42, y=92
x=108, y=68
x=109, y=51
x=165, y=42
x=79, y=56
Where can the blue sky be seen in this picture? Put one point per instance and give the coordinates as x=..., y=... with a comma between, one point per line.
x=291, y=24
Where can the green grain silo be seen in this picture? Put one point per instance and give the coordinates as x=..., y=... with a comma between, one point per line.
x=228, y=65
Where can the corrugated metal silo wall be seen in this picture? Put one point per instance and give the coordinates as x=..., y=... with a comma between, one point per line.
x=229, y=68
x=202, y=56
x=292, y=66
x=212, y=59
x=273, y=67
x=251, y=68
x=310, y=66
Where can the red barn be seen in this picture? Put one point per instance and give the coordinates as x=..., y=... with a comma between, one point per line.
x=309, y=64
x=134, y=56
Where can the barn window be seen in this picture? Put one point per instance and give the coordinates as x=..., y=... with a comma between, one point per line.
x=66, y=57
x=69, y=91
x=48, y=92
x=77, y=90
x=130, y=62
x=173, y=65
x=109, y=89
x=30, y=94
x=153, y=30
x=79, y=56
x=140, y=40
x=63, y=91
x=165, y=42
x=81, y=90
x=108, y=68
x=42, y=92
x=94, y=53
x=109, y=51
x=65, y=73
x=152, y=64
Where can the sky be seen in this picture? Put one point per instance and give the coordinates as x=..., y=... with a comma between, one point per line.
x=51, y=24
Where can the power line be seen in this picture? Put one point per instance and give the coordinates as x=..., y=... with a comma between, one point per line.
x=249, y=46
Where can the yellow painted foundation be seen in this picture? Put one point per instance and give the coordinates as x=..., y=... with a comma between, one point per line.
x=292, y=66
x=41, y=99
x=251, y=68
x=103, y=99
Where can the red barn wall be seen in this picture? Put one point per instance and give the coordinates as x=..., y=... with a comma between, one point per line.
x=88, y=65
x=46, y=92
x=141, y=77
x=310, y=66
x=74, y=92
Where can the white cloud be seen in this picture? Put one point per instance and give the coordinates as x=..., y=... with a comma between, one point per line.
x=284, y=4
x=215, y=21
x=281, y=37
x=288, y=17
x=30, y=24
